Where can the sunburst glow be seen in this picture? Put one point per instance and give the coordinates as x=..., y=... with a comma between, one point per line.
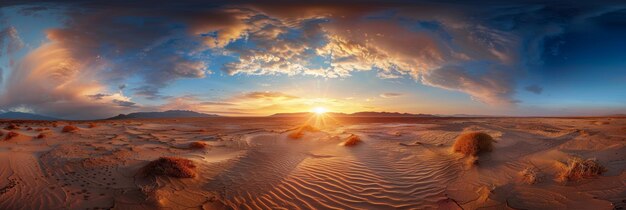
x=319, y=110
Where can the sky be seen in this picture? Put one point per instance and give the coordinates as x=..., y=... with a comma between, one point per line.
x=96, y=59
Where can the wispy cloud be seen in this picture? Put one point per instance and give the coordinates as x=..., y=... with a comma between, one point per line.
x=390, y=95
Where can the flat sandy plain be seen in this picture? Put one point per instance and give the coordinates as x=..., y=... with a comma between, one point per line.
x=251, y=163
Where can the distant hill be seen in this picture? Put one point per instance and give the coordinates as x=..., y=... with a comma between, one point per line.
x=356, y=114
x=25, y=116
x=165, y=114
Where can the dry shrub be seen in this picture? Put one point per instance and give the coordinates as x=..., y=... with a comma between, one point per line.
x=172, y=167
x=352, y=140
x=530, y=175
x=12, y=127
x=578, y=168
x=11, y=135
x=299, y=132
x=69, y=128
x=473, y=143
x=91, y=125
x=471, y=161
x=41, y=136
x=198, y=145
x=29, y=128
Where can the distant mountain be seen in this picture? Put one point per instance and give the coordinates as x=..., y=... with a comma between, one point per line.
x=165, y=114
x=356, y=114
x=388, y=114
x=24, y=116
x=468, y=115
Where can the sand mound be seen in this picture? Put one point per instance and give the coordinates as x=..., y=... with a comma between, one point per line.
x=578, y=168
x=198, y=145
x=11, y=135
x=171, y=166
x=91, y=125
x=299, y=132
x=12, y=127
x=473, y=143
x=352, y=140
x=69, y=128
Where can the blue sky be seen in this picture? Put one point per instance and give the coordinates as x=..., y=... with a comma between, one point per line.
x=88, y=59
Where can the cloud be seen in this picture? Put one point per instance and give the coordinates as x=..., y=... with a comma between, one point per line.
x=493, y=86
x=12, y=39
x=98, y=96
x=536, y=89
x=49, y=81
x=124, y=103
x=477, y=50
x=390, y=95
x=267, y=95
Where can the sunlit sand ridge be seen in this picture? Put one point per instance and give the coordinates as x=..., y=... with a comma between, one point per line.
x=319, y=162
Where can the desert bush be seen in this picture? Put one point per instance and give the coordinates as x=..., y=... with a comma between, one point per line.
x=172, y=167
x=299, y=132
x=69, y=128
x=198, y=145
x=473, y=143
x=91, y=125
x=352, y=140
x=578, y=168
x=41, y=136
x=12, y=127
x=11, y=135
x=530, y=175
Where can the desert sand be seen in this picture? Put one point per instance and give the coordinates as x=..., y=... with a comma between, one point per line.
x=349, y=163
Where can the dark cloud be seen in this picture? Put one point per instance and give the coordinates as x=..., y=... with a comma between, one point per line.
x=30, y=11
x=536, y=89
x=124, y=103
x=98, y=96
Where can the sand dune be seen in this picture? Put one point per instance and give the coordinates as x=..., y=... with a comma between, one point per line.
x=256, y=164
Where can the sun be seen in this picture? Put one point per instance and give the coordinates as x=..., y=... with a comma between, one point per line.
x=319, y=110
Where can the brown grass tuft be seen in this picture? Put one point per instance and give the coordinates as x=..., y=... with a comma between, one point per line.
x=172, y=167
x=578, y=169
x=41, y=136
x=198, y=145
x=29, y=128
x=352, y=140
x=12, y=127
x=299, y=132
x=69, y=128
x=11, y=135
x=530, y=175
x=473, y=143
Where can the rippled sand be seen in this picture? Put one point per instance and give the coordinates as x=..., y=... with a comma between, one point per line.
x=252, y=163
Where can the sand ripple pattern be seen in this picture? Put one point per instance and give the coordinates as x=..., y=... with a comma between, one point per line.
x=361, y=178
